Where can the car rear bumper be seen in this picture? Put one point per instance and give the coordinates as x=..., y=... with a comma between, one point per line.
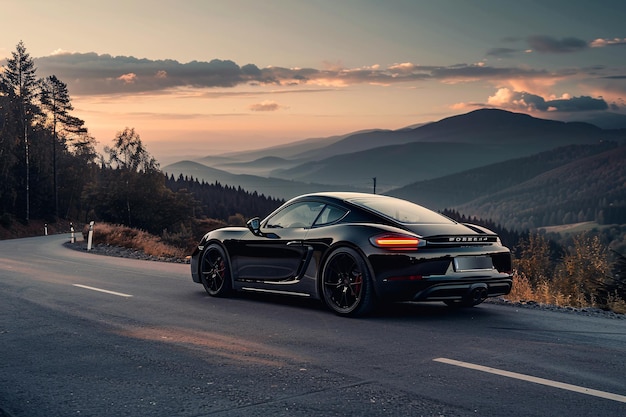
x=441, y=278
x=445, y=288
x=464, y=290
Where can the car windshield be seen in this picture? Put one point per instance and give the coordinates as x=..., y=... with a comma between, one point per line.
x=401, y=210
x=296, y=215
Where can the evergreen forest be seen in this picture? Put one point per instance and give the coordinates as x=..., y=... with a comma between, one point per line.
x=50, y=170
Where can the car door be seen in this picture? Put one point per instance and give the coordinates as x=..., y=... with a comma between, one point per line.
x=278, y=253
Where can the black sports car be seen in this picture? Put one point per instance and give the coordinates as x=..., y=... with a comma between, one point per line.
x=353, y=250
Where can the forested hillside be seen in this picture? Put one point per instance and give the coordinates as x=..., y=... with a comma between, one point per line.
x=570, y=184
x=591, y=188
x=217, y=201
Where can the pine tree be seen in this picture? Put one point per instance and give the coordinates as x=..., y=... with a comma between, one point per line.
x=56, y=102
x=20, y=85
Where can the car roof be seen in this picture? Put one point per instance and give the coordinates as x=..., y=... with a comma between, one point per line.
x=342, y=195
x=365, y=202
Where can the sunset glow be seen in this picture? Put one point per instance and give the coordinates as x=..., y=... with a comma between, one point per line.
x=200, y=78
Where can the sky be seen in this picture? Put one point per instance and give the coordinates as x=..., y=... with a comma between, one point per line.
x=202, y=77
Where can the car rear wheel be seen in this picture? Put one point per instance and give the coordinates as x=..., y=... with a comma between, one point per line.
x=214, y=271
x=346, y=283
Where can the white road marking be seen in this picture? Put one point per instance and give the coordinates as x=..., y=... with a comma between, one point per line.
x=101, y=290
x=542, y=381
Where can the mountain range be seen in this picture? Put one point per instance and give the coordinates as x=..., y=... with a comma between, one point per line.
x=474, y=161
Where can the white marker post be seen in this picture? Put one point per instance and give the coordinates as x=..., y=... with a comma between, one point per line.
x=72, y=233
x=90, y=236
x=45, y=229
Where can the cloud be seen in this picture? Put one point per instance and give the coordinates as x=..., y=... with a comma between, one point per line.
x=266, y=105
x=524, y=101
x=548, y=44
x=128, y=78
x=93, y=74
x=465, y=73
x=551, y=45
x=575, y=104
x=403, y=67
x=601, y=43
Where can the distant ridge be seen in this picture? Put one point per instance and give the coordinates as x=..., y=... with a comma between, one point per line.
x=397, y=158
x=441, y=148
x=273, y=187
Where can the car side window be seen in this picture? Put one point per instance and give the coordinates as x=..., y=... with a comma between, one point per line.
x=329, y=215
x=296, y=215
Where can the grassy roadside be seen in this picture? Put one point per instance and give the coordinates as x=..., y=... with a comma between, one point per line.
x=127, y=237
x=545, y=292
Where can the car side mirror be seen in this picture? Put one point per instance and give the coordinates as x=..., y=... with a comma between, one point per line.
x=254, y=224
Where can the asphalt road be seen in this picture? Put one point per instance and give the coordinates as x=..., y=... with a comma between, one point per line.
x=155, y=344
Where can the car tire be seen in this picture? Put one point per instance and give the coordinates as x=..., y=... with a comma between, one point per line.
x=346, y=284
x=215, y=271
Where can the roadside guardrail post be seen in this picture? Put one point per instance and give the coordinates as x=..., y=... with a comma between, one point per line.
x=90, y=235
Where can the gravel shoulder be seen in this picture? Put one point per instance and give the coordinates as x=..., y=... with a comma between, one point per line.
x=121, y=252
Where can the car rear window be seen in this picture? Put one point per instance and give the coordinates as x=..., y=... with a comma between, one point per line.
x=401, y=210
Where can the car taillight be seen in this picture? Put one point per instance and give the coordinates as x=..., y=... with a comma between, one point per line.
x=395, y=241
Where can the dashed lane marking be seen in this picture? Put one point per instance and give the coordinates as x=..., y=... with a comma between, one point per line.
x=528, y=378
x=120, y=294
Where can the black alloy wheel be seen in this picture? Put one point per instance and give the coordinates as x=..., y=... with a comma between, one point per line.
x=215, y=272
x=346, y=283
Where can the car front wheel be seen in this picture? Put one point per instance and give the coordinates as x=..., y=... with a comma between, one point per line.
x=214, y=271
x=346, y=283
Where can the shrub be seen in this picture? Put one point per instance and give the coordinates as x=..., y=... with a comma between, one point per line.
x=584, y=277
x=124, y=236
x=522, y=288
x=535, y=261
x=584, y=272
